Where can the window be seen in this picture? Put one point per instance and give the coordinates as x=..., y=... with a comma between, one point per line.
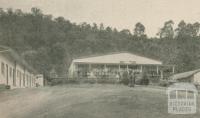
x=20, y=79
x=30, y=80
x=24, y=84
x=27, y=80
x=2, y=68
x=17, y=73
x=20, y=75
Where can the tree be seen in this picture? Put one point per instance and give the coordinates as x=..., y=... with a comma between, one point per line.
x=167, y=30
x=60, y=20
x=101, y=26
x=108, y=29
x=196, y=27
x=126, y=32
x=139, y=30
x=18, y=12
x=94, y=27
x=35, y=11
x=187, y=30
x=181, y=30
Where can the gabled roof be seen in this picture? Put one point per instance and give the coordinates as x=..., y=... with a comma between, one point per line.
x=116, y=58
x=182, y=86
x=184, y=74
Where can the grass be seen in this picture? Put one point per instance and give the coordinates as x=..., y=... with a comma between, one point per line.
x=87, y=101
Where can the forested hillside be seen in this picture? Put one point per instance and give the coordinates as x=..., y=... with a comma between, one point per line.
x=50, y=43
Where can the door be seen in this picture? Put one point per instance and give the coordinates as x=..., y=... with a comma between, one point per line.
x=7, y=74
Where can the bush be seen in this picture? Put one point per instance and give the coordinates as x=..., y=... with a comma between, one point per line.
x=125, y=81
x=37, y=85
x=64, y=81
x=56, y=82
x=90, y=81
x=138, y=81
x=163, y=83
x=8, y=87
x=4, y=87
x=106, y=81
x=102, y=81
x=154, y=80
x=143, y=80
x=72, y=81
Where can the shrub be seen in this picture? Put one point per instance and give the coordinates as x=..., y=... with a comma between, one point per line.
x=8, y=87
x=163, y=83
x=125, y=81
x=4, y=87
x=56, y=82
x=154, y=80
x=90, y=81
x=37, y=85
x=106, y=81
x=72, y=81
x=144, y=80
x=64, y=81
x=138, y=81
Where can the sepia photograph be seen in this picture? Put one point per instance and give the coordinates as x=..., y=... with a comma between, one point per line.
x=99, y=58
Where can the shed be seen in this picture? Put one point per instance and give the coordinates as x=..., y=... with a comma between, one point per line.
x=189, y=76
x=15, y=71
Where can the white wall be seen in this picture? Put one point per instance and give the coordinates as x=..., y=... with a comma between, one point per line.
x=71, y=70
x=197, y=78
x=40, y=80
x=3, y=76
x=22, y=75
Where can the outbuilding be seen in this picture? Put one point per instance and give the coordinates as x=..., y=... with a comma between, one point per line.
x=39, y=80
x=189, y=76
x=14, y=71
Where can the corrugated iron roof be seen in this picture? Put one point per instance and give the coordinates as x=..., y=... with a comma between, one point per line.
x=184, y=74
x=8, y=52
x=182, y=86
x=116, y=58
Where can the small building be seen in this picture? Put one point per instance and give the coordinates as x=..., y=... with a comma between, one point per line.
x=53, y=73
x=39, y=80
x=110, y=65
x=189, y=76
x=14, y=71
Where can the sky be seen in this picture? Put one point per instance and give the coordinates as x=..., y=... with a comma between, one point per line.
x=120, y=14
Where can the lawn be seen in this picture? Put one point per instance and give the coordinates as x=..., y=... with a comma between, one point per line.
x=87, y=101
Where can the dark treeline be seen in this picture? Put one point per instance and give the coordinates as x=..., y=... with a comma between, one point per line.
x=50, y=43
